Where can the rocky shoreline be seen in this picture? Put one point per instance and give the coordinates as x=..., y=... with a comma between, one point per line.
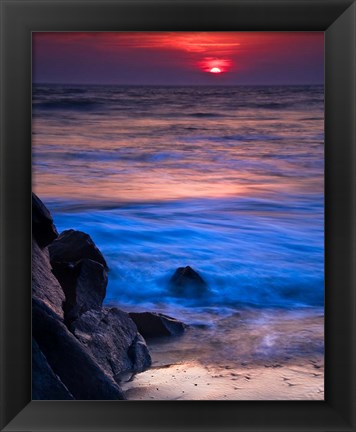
x=82, y=350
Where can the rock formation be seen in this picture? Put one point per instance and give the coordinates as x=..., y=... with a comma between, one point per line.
x=151, y=324
x=80, y=349
x=186, y=282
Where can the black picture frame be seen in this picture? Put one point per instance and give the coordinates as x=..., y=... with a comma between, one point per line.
x=21, y=17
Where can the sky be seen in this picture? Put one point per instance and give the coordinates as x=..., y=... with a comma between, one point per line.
x=178, y=58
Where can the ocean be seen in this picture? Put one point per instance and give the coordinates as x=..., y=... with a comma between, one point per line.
x=227, y=180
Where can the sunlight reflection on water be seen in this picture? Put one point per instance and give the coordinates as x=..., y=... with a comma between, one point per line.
x=227, y=180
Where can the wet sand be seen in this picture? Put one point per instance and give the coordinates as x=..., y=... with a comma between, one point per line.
x=193, y=381
x=246, y=355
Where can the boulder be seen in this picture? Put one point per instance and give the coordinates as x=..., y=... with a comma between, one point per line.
x=113, y=341
x=45, y=286
x=43, y=228
x=139, y=354
x=151, y=324
x=72, y=246
x=186, y=282
x=84, y=285
x=46, y=385
x=70, y=359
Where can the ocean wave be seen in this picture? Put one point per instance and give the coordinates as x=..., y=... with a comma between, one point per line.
x=259, y=253
x=73, y=104
x=183, y=102
x=227, y=180
x=205, y=115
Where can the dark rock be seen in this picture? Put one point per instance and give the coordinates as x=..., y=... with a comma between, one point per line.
x=84, y=285
x=112, y=339
x=139, y=354
x=186, y=282
x=151, y=324
x=72, y=246
x=45, y=286
x=43, y=228
x=46, y=385
x=70, y=359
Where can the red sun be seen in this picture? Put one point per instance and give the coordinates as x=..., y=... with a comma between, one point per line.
x=215, y=65
x=215, y=70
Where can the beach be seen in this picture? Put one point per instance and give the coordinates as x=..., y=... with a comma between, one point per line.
x=193, y=381
x=248, y=355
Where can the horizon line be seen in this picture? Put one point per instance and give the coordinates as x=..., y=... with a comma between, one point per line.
x=179, y=85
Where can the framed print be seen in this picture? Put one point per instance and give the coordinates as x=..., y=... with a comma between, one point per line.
x=178, y=184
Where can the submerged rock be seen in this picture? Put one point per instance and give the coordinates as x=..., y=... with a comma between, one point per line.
x=70, y=359
x=72, y=246
x=151, y=324
x=112, y=339
x=43, y=228
x=45, y=383
x=84, y=284
x=186, y=282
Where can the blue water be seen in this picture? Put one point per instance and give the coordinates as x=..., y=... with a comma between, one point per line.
x=228, y=180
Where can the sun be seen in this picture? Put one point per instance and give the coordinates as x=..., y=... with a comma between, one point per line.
x=215, y=66
x=215, y=70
